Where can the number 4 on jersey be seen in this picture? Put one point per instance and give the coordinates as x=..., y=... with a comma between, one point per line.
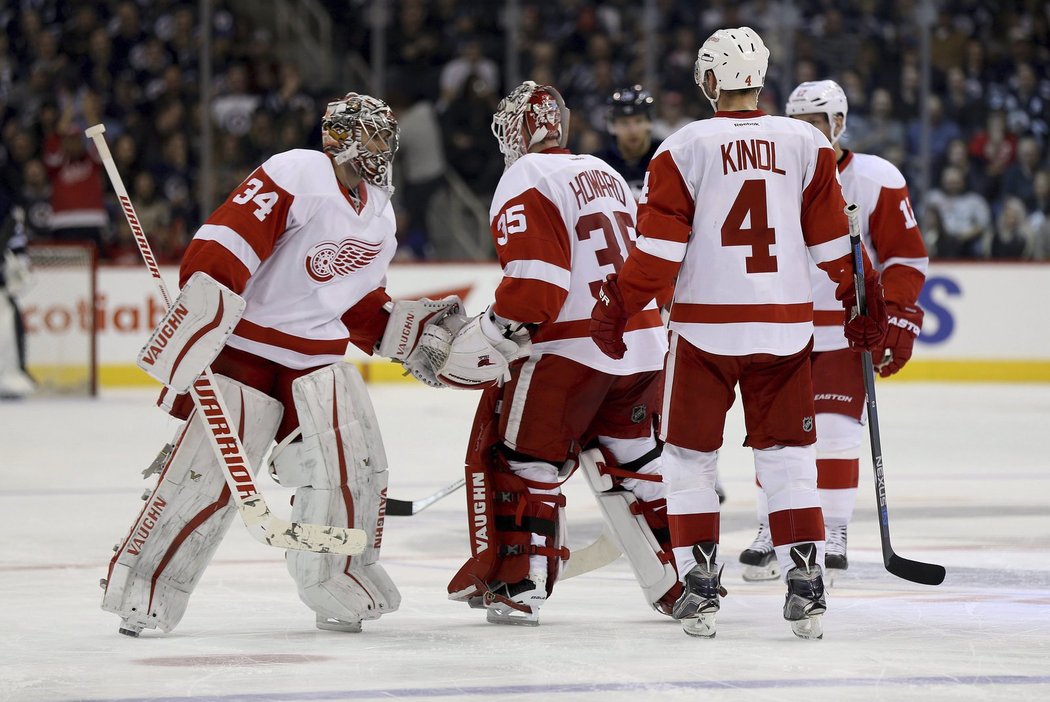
x=265, y=201
x=750, y=206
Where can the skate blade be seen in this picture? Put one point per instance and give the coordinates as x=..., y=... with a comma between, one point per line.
x=331, y=624
x=513, y=617
x=133, y=633
x=809, y=628
x=833, y=574
x=754, y=574
x=702, y=627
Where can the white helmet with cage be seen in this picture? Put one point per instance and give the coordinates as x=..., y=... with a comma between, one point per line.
x=737, y=57
x=528, y=116
x=362, y=130
x=820, y=97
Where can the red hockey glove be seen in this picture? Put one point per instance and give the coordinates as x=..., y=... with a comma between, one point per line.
x=609, y=319
x=904, y=325
x=866, y=332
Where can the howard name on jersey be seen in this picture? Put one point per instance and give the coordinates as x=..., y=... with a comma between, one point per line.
x=769, y=206
x=309, y=261
x=891, y=238
x=562, y=223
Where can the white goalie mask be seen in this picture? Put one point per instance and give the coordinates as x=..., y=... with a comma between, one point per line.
x=362, y=130
x=737, y=57
x=529, y=115
x=824, y=97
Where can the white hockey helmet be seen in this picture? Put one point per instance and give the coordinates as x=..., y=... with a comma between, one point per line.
x=529, y=115
x=820, y=97
x=363, y=131
x=738, y=58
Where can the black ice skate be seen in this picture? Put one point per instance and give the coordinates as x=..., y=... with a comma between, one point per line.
x=516, y=603
x=804, y=603
x=759, y=559
x=835, y=561
x=699, y=603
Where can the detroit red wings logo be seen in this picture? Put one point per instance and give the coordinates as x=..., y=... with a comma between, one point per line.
x=330, y=259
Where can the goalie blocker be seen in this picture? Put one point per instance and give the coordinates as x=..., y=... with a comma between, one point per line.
x=192, y=333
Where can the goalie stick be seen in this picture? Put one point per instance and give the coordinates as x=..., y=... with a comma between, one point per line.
x=915, y=571
x=263, y=525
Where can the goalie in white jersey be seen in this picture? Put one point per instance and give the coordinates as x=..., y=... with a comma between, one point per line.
x=891, y=237
x=560, y=222
x=735, y=211
x=302, y=246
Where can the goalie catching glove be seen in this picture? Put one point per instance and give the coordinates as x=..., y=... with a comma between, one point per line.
x=478, y=354
x=412, y=321
x=192, y=333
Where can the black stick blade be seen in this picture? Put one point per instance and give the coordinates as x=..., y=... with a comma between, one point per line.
x=398, y=508
x=915, y=571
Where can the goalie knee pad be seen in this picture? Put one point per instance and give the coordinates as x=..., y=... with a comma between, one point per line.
x=185, y=517
x=512, y=520
x=340, y=471
x=640, y=527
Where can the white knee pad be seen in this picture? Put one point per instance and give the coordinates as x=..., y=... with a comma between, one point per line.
x=789, y=476
x=185, y=517
x=340, y=469
x=690, y=478
x=838, y=436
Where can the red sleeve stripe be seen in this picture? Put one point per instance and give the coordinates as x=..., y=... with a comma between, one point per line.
x=829, y=318
x=673, y=251
x=581, y=328
x=310, y=347
x=823, y=218
x=538, y=270
x=731, y=314
x=232, y=242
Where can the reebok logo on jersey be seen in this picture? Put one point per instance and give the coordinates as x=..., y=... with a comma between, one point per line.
x=330, y=259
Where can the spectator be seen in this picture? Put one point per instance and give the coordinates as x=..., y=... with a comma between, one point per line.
x=77, y=207
x=1039, y=217
x=36, y=200
x=994, y=148
x=671, y=115
x=421, y=159
x=964, y=215
x=1026, y=101
x=1019, y=179
x=1013, y=237
x=470, y=64
x=880, y=130
x=942, y=130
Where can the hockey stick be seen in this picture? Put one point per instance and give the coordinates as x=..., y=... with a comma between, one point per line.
x=211, y=407
x=603, y=551
x=406, y=508
x=915, y=571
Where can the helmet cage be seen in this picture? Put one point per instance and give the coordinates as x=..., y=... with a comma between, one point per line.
x=535, y=111
x=820, y=97
x=362, y=130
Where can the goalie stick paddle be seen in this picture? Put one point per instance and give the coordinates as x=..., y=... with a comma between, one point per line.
x=406, y=508
x=261, y=523
x=907, y=569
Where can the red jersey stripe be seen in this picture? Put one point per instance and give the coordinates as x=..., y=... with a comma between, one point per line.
x=580, y=328
x=728, y=314
x=310, y=347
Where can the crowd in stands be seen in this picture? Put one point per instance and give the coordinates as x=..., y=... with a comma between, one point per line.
x=133, y=64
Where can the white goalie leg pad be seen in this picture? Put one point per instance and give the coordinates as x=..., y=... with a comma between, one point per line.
x=192, y=333
x=340, y=469
x=185, y=517
x=632, y=533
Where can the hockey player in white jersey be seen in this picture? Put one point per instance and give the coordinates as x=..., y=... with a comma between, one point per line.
x=304, y=242
x=734, y=211
x=560, y=222
x=892, y=239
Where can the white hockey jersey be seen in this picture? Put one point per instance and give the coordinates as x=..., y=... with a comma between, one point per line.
x=562, y=223
x=735, y=208
x=310, y=263
x=891, y=238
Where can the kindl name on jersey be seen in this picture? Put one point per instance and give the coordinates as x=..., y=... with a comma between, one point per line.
x=750, y=153
x=588, y=185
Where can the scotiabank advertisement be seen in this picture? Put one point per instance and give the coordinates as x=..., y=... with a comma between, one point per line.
x=984, y=321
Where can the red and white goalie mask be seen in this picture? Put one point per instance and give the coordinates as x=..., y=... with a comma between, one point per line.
x=531, y=114
x=363, y=131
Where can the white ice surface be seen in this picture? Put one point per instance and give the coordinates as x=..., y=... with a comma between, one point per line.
x=969, y=487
